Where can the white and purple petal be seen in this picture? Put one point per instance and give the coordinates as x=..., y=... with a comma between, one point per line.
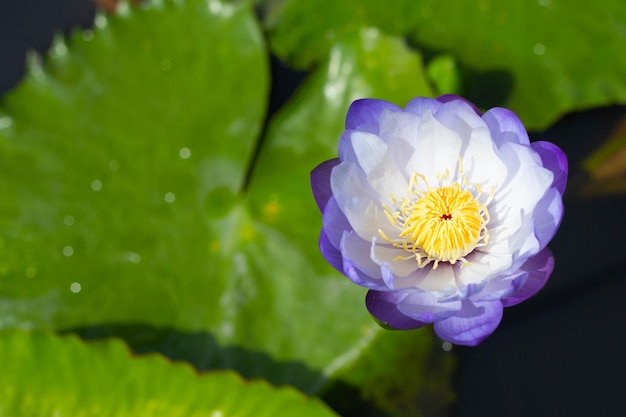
x=330, y=252
x=538, y=268
x=498, y=287
x=367, y=111
x=421, y=105
x=320, y=182
x=459, y=116
x=358, y=201
x=505, y=126
x=554, y=159
x=453, y=97
x=547, y=216
x=334, y=223
x=472, y=324
x=357, y=263
x=426, y=306
x=383, y=305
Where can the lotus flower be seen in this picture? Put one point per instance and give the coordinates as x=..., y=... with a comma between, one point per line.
x=441, y=211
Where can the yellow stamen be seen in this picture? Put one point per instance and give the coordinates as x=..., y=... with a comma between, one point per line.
x=441, y=224
x=446, y=223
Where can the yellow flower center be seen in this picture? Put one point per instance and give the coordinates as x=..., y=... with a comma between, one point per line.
x=442, y=224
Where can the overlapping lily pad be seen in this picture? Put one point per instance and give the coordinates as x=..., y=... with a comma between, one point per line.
x=44, y=375
x=552, y=56
x=111, y=155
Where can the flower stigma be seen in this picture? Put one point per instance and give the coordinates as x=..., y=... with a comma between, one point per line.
x=439, y=224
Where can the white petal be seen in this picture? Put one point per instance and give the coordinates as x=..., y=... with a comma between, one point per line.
x=399, y=125
x=514, y=237
x=501, y=286
x=347, y=180
x=437, y=149
x=399, y=131
x=500, y=233
x=387, y=256
x=520, y=197
x=460, y=117
x=518, y=159
x=357, y=251
x=367, y=219
x=359, y=202
x=369, y=150
x=389, y=181
x=524, y=243
x=396, y=282
x=377, y=162
x=511, y=225
x=441, y=279
x=511, y=229
x=483, y=267
x=426, y=307
x=481, y=163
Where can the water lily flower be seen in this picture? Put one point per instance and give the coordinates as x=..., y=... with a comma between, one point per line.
x=441, y=211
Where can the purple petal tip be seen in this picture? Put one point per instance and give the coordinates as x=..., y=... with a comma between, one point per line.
x=320, y=182
x=383, y=306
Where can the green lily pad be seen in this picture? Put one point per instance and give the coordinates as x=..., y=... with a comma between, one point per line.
x=114, y=153
x=48, y=375
x=123, y=160
x=544, y=57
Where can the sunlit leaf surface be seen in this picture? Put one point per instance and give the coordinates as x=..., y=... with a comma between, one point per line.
x=44, y=375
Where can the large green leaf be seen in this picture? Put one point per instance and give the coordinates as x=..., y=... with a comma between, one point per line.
x=115, y=154
x=44, y=375
x=123, y=163
x=550, y=56
x=111, y=160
